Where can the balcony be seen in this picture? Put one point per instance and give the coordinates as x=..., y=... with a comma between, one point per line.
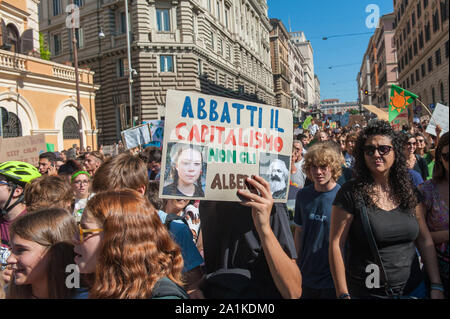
x=25, y=64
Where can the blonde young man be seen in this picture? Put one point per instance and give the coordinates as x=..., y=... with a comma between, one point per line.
x=312, y=220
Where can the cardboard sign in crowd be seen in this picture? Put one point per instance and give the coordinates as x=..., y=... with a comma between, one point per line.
x=25, y=149
x=212, y=144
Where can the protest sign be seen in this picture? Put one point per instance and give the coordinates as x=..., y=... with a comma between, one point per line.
x=137, y=136
x=212, y=144
x=25, y=149
x=157, y=133
x=440, y=117
x=109, y=150
x=399, y=121
x=356, y=119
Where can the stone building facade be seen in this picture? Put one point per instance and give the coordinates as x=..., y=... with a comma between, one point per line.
x=279, y=51
x=218, y=47
x=379, y=67
x=305, y=47
x=298, y=96
x=40, y=95
x=422, y=41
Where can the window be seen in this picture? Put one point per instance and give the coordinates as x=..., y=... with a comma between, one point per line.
x=227, y=17
x=212, y=40
x=438, y=57
x=13, y=38
x=427, y=32
x=79, y=37
x=122, y=23
x=444, y=11
x=122, y=68
x=200, y=67
x=209, y=6
x=412, y=79
x=423, y=70
x=442, y=92
x=433, y=95
x=415, y=48
x=446, y=49
x=430, y=64
x=218, y=10
x=56, y=44
x=166, y=63
x=421, y=40
x=56, y=7
x=163, y=19
x=78, y=2
x=435, y=21
x=70, y=129
x=425, y=3
x=417, y=75
x=413, y=19
x=407, y=83
x=419, y=10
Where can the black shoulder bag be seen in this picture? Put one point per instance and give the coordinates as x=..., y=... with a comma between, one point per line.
x=376, y=254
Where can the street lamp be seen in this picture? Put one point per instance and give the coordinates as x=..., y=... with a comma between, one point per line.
x=77, y=79
x=130, y=70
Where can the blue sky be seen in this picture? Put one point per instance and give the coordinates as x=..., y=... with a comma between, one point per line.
x=322, y=18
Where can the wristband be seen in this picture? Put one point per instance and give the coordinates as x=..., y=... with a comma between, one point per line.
x=344, y=296
x=439, y=287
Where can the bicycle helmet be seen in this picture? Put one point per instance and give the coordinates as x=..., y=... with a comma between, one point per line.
x=20, y=173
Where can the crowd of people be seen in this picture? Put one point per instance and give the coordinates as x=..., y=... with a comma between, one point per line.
x=104, y=215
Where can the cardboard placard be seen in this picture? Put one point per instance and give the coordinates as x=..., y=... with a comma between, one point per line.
x=212, y=144
x=137, y=136
x=356, y=119
x=109, y=150
x=440, y=117
x=399, y=121
x=25, y=149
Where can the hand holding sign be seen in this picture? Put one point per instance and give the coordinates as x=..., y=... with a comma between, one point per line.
x=261, y=204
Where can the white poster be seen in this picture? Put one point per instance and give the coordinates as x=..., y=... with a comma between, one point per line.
x=212, y=144
x=440, y=117
x=137, y=136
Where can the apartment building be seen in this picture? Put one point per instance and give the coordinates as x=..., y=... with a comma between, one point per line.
x=298, y=97
x=422, y=42
x=279, y=51
x=305, y=47
x=218, y=47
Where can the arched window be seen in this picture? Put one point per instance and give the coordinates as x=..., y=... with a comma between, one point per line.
x=12, y=128
x=70, y=128
x=13, y=37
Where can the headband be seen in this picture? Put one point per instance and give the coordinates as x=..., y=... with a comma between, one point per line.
x=79, y=173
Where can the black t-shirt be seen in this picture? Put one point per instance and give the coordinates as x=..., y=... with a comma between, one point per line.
x=394, y=232
x=172, y=189
x=234, y=258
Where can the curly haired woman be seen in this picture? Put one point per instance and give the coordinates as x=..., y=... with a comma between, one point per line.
x=397, y=220
x=127, y=249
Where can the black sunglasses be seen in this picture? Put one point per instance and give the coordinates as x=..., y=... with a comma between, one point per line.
x=383, y=150
x=445, y=156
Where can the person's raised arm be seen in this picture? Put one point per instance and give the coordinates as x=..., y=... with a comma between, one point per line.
x=340, y=225
x=284, y=270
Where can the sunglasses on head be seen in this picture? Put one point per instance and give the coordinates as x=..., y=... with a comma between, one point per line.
x=383, y=150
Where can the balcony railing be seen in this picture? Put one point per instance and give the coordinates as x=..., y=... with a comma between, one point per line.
x=23, y=63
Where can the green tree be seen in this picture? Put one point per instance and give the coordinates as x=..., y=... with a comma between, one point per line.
x=44, y=51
